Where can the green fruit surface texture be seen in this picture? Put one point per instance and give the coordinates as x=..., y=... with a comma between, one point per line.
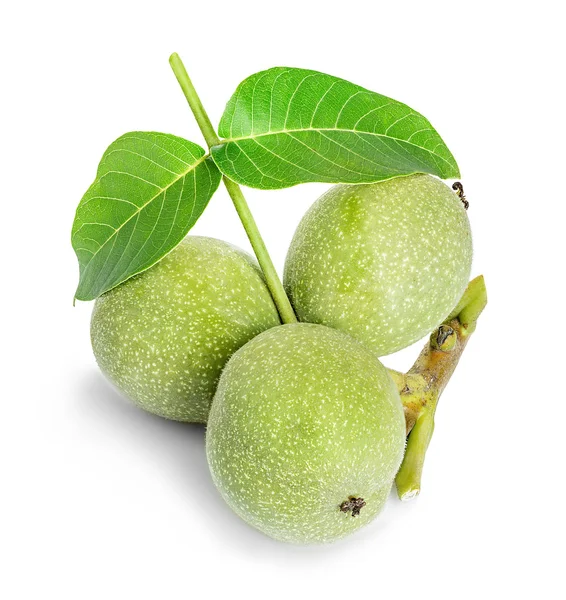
x=386, y=262
x=164, y=336
x=305, y=418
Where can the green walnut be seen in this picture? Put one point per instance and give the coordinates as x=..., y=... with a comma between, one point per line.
x=306, y=433
x=164, y=336
x=385, y=262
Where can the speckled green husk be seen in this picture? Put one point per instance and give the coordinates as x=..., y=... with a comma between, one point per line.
x=304, y=418
x=385, y=262
x=164, y=336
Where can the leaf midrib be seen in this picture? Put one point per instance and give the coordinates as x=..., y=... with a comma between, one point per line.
x=317, y=129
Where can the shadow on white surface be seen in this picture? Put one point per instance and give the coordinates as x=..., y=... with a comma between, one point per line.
x=178, y=452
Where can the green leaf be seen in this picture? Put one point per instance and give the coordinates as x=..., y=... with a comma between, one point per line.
x=286, y=126
x=150, y=189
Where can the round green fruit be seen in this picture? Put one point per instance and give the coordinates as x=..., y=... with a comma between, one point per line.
x=306, y=433
x=164, y=336
x=385, y=262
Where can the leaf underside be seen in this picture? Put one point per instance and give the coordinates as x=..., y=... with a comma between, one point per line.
x=149, y=191
x=287, y=126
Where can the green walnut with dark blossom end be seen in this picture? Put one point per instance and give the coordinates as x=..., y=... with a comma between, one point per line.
x=306, y=433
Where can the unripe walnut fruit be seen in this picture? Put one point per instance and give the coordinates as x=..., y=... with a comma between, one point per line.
x=385, y=262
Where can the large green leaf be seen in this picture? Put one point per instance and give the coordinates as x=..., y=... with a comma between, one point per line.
x=150, y=189
x=287, y=126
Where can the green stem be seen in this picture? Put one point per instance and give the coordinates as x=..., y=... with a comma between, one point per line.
x=408, y=478
x=272, y=279
x=421, y=387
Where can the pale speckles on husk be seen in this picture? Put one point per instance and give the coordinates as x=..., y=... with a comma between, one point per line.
x=164, y=336
x=385, y=262
x=304, y=418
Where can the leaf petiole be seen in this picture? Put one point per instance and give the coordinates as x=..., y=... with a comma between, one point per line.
x=272, y=279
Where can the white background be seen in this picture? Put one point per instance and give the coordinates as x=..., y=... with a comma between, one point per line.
x=100, y=500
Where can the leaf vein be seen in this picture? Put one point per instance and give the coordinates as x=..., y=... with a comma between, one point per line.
x=191, y=168
x=319, y=129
